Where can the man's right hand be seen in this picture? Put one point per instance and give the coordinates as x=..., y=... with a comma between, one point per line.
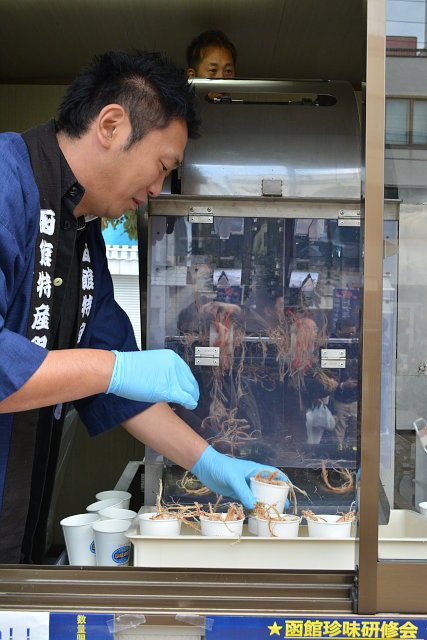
x=158, y=375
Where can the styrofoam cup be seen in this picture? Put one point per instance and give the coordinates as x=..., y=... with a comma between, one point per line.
x=123, y=497
x=271, y=494
x=287, y=528
x=328, y=527
x=117, y=513
x=222, y=528
x=159, y=527
x=422, y=506
x=97, y=506
x=79, y=538
x=111, y=543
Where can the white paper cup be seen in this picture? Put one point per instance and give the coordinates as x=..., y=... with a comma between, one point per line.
x=422, y=506
x=97, y=506
x=159, y=527
x=272, y=494
x=116, y=513
x=329, y=527
x=279, y=528
x=112, y=544
x=123, y=497
x=221, y=528
x=79, y=538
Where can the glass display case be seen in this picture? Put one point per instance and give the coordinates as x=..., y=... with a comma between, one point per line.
x=266, y=313
x=254, y=279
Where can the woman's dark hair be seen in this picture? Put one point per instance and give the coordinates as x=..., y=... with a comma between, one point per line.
x=151, y=89
x=207, y=39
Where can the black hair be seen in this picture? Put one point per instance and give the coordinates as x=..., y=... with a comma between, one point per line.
x=213, y=38
x=151, y=89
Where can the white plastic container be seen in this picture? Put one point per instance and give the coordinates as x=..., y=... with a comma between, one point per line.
x=122, y=497
x=79, y=538
x=287, y=528
x=223, y=528
x=328, y=526
x=116, y=513
x=272, y=494
x=168, y=526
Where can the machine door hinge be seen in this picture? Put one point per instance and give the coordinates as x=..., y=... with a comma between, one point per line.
x=207, y=356
x=271, y=187
x=332, y=358
x=201, y=215
x=349, y=218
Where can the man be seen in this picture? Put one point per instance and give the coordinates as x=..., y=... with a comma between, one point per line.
x=347, y=391
x=123, y=126
x=211, y=55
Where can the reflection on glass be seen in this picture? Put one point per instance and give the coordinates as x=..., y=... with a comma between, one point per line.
x=403, y=465
x=270, y=294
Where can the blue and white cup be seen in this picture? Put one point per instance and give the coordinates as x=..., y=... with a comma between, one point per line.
x=79, y=538
x=112, y=544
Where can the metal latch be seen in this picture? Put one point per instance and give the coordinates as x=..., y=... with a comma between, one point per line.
x=201, y=215
x=332, y=358
x=349, y=218
x=207, y=356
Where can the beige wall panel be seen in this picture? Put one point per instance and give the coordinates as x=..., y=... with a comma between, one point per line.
x=23, y=106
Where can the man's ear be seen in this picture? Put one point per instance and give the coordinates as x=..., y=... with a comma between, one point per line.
x=191, y=73
x=110, y=120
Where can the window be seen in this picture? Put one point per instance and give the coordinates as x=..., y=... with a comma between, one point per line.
x=406, y=121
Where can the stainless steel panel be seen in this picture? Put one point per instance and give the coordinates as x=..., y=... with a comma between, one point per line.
x=226, y=206
x=272, y=130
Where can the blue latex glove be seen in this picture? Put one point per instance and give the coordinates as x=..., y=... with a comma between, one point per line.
x=229, y=476
x=159, y=375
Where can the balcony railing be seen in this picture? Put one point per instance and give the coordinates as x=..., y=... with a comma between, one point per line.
x=406, y=53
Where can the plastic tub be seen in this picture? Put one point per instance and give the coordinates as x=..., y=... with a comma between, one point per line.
x=168, y=526
x=223, y=528
x=253, y=525
x=328, y=526
x=287, y=528
x=274, y=495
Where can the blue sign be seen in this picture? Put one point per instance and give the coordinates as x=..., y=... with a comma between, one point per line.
x=81, y=626
x=315, y=628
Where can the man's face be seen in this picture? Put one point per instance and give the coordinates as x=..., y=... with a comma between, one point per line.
x=216, y=62
x=128, y=177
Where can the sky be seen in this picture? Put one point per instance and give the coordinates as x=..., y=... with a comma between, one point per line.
x=407, y=18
